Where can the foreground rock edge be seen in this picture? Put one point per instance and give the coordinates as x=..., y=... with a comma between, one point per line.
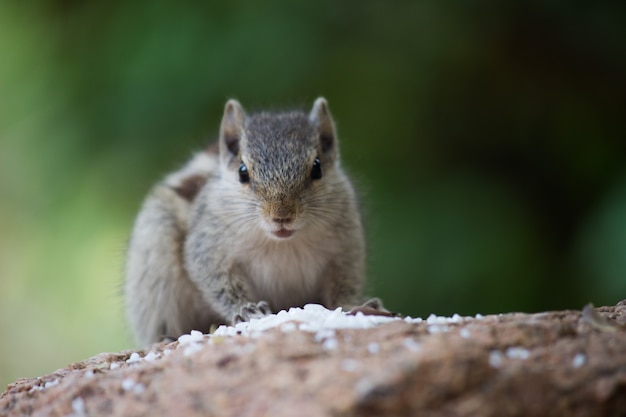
x=555, y=363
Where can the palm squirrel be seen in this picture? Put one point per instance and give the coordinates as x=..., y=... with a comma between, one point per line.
x=263, y=220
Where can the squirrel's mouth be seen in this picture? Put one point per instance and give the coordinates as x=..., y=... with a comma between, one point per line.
x=283, y=233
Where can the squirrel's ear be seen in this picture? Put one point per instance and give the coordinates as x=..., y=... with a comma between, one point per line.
x=321, y=118
x=232, y=127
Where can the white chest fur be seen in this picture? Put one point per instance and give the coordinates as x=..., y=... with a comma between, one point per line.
x=286, y=273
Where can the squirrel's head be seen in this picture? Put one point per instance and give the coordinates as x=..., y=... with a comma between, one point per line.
x=284, y=164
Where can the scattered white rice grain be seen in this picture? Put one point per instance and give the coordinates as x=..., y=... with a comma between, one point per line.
x=52, y=383
x=224, y=330
x=456, y=318
x=349, y=365
x=89, y=374
x=437, y=328
x=128, y=384
x=495, y=358
x=167, y=352
x=579, y=360
x=134, y=357
x=465, y=333
x=323, y=334
x=413, y=320
x=373, y=348
x=412, y=345
x=330, y=344
x=114, y=365
x=479, y=316
x=193, y=336
x=35, y=388
x=434, y=319
x=78, y=405
x=517, y=353
x=151, y=356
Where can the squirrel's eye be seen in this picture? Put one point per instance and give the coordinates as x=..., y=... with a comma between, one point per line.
x=244, y=177
x=316, y=172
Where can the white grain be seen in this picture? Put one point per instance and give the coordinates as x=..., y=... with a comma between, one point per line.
x=579, y=360
x=78, y=406
x=517, y=353
x=330, y=344
x=412, y=345
x=495, y=358
x=134, y=358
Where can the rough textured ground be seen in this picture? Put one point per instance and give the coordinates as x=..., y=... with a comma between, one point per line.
x=550, y=364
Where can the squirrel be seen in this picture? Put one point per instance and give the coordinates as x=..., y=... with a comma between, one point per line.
x=263, y=220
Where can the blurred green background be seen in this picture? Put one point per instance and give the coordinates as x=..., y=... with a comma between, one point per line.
x=488, y=140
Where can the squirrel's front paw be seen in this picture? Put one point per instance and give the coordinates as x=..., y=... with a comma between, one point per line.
x=252, y=310
x=372, y=307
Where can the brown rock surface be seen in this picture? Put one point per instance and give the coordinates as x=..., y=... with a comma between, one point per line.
x=547, y=364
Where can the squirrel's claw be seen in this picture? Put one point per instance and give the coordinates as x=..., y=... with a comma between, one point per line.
x=252, y=310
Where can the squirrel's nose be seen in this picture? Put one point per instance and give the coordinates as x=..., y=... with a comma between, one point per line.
x=282, y=220
x=282, y=212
